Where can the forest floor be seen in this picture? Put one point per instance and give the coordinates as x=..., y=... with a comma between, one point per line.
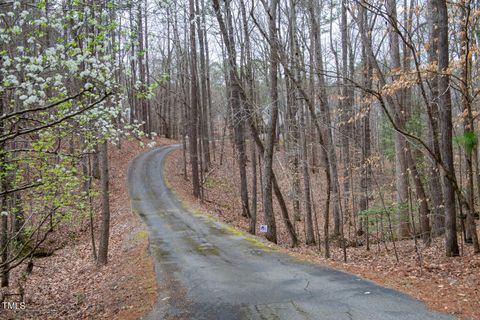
x=69, y=285
x=450, y=285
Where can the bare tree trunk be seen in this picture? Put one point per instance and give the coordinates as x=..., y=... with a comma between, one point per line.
x=422, y=199
x=4, y=270
x=366, y=140
x=292, y=139
x=134, y=114
x=269, y=215
x=193, y=115
x=346, y=110
x=203, y=92
x=325, y=118
x=238, y=121
x=401, y=177
x=5, y=274
x=147, y=70
x=87, y=186
x=253, y=211
x=96, y=165
x=211, y=135
x=105, y=224
x=445, y=107
x=251, y=89
x=470, y=145
x=310, y=236
x=141, y=68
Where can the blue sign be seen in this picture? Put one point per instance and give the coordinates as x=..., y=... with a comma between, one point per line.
x=263, y=228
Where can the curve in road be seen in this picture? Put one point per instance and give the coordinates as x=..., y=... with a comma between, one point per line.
x=207, y=271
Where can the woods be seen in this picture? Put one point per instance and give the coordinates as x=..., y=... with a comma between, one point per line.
x=352, y=123
x=62, y=102
x=363, y=91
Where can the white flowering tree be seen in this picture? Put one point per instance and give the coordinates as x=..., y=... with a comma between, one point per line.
x=58, y=100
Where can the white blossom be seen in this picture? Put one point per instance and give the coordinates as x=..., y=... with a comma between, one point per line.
x=16, y=30
x=12, y=80
x=7, y=62
x=31, y=100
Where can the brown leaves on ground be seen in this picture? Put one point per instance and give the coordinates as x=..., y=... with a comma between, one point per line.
x=449, y=285
x=69, y=284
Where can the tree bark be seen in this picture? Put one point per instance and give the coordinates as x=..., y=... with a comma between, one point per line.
x=310, y=235
x=445, y=107
x=193, y=115
x=470, y=146
x=325, y=117
x=292, y=139
x=346, y=109
x=105, y=224
x=269, y=215
x=203, y=92
x=366, y=140
x=401, y=177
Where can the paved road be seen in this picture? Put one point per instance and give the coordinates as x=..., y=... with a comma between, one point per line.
x=206, y=270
